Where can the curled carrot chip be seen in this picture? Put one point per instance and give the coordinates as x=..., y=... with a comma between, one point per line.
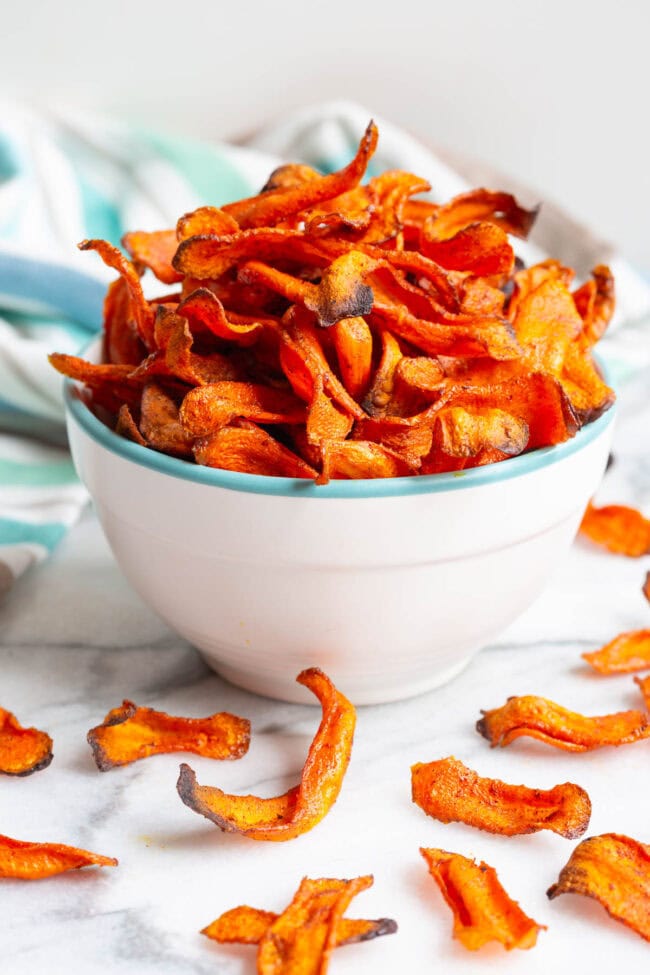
x=160, y=423
x=302, y=807
x=252, y=450
x=127, y=427
x=129, y=733
x=207, y=408
x=537, y=717
x=22, y=750
x=248, y=925
x=452, y=793
x=34, y=861
x=482, y=909
x=622, y=655
x=278, y=204
x=619, y=529
x=373, y=307
x=155, y=250
x=615, y=871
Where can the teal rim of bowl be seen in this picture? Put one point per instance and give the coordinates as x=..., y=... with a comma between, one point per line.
x=381, y=487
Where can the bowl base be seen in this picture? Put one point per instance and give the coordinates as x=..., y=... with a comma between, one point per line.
x=282, y=690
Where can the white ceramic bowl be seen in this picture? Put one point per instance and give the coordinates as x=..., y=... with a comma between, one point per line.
x=391, y=586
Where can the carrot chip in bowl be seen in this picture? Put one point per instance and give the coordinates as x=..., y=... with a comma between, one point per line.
x=452, y=793
x=302, y=807
x=614, y=870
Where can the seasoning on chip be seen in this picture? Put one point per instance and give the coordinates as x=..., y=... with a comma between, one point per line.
x=34, y=861
x=625, y=653
x=617, y=528
x=301, y=939
x=129, y=733
x=452, y=793
x=22, y=750
x=367, y=333
x=614, y=870
x=302, y=807
x=537, y=717
x=482, y=909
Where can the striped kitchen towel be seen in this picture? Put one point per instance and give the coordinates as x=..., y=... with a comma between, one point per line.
x=67, y=175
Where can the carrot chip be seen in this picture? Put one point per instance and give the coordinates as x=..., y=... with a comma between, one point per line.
x=644, y=687
x=34, y=861
x=645, y=589
x=342, y=315
x=248, y=925
x=537, y=717
x=452, y=793
x=614, y=870
x=129, y=733
x=302, y=807
x=482, y=909
x=617, y=528
x=301, y=939
x=22, y=750
x=625, y=653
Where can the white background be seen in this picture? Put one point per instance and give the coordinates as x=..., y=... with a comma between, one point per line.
x=554, y=92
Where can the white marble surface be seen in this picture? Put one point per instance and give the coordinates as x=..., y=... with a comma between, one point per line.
x=74, y=640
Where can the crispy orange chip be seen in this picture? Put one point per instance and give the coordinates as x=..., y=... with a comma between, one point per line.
x=248, y=925
x=372, y=307
x=645, y=589
x=622, y=655
x=537, y=717
x=619, y=529
x=301, y=808
x=452, y=793
x=22, y=750
x=129, y=733
x=482, y=909
x=34, y=861
x=614, y=870
x=302, y=938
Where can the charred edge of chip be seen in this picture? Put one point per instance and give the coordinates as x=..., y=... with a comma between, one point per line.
x=482, y=727
x=383, y=925
x=184, y=245
x=354, y=305
x=38, y=767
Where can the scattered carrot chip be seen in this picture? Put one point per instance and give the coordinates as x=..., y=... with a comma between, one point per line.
x=248, y=925
x=302, y=938
x=615, y=871
x=34, y=861
x=22, y=750
x=644, y=687
x=645, y=588
x=452, y=793
x=622, y=655
x=482, y=909
x=537, y=717
x=302, y=807
x=619, y=529
x=415, y=339
x=129, y=733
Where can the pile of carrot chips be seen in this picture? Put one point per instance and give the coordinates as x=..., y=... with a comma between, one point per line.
x=301, y=939
x=450, y=792
x=129, y=733
x=330, y=328
x=22, y=750
x=306, y=804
